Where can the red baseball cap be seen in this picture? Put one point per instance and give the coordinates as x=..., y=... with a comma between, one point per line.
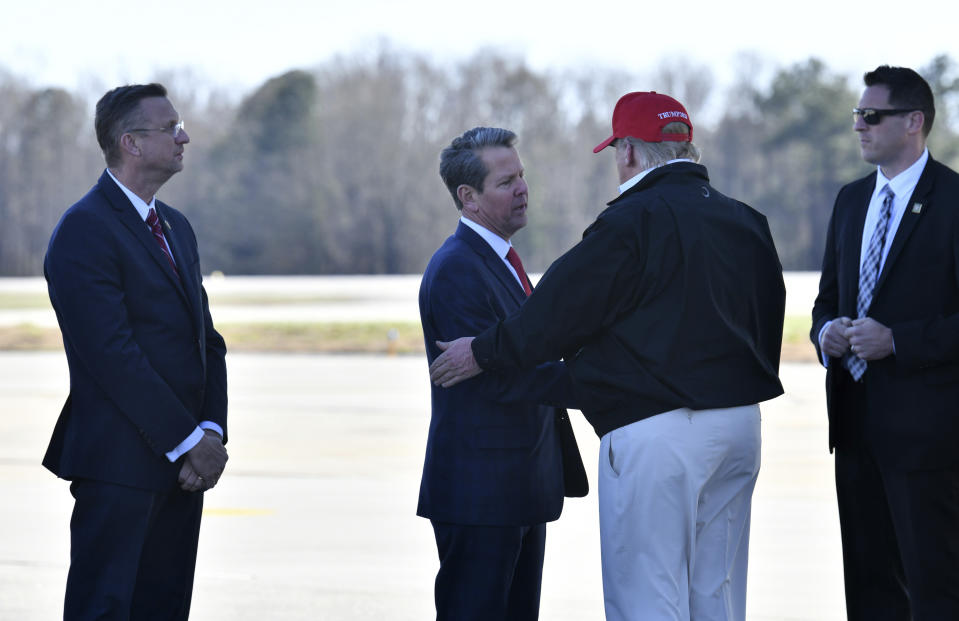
x=643, y=115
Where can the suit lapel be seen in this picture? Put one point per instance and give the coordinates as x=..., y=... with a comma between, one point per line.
x=129, y=218
x=495, y=264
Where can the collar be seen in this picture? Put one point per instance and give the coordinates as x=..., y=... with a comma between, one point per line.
x=499, y=245
x=138, y=203
x=639, y=177
x=905, y=182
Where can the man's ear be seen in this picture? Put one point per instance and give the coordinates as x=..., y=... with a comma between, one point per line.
x=128, y=144
x=467, y=195
x=629, y=154
x=917, y=119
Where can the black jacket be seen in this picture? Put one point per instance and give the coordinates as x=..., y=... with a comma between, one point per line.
x=911, y=396
x=674, y=298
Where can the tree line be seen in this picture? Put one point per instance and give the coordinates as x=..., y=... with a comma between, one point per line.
x=334, y=170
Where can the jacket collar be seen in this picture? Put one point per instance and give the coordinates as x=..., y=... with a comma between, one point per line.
x=129, y=217
x=674, y=172
x=495, y=263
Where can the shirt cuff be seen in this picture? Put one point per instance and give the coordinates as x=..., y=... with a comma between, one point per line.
x=825, y=358
x=192, y=440
x=209, y=424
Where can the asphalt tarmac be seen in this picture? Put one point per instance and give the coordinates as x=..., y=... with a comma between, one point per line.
x=314, y=518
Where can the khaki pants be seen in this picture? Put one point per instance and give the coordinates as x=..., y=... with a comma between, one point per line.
x=675, y=493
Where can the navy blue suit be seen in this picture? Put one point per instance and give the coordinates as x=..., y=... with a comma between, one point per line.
x=146, y=366
x=493, y=456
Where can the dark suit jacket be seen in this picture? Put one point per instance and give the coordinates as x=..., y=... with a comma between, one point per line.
x=493, y=455
x=146, y=365
x=912, y=409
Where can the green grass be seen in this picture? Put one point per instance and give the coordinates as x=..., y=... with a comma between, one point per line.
x=333, y=337
x=28, y=337
x=262, y=299
x=343, y=337
x=21, y=301
x=796, y=329
x=796, y=345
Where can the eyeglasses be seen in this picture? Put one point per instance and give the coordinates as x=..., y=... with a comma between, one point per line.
x=173, y=130
x=872, y=116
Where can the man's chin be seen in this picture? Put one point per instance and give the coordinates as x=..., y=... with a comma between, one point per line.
x=868, y=155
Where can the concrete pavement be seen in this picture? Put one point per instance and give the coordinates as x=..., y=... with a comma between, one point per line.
x=314, y=517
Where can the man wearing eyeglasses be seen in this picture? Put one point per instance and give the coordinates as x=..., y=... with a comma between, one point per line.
x=141, y=434
x=886, y=326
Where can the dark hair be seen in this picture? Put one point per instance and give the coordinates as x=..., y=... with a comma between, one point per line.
x=907, y=89
x=460, y=163
x=116, y=113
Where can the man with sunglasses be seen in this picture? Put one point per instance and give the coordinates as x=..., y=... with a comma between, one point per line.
x=886, y=326
x=141, y=434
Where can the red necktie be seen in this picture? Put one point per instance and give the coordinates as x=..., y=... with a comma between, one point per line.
x=154, y=222
x=513, y=259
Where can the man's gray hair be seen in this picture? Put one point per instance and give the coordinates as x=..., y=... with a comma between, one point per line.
x=460, y=163
x=652, y=154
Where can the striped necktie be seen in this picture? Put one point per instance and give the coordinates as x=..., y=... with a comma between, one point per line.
x=869, y=274
x=154, y=223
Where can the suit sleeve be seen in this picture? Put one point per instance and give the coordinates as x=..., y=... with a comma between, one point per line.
x=459, y=304
x=584, y=291
x=215, y=393
x=826, y=306
x=85, y=284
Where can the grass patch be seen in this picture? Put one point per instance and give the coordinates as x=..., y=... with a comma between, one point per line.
x=20, y=301
x=265, y=299
x=40, y=300
x=334, y=337
x=28, y=337
x=345, y=337
x=796, y=345
x=796, y=329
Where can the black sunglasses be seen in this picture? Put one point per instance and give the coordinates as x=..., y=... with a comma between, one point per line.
x=872, y=116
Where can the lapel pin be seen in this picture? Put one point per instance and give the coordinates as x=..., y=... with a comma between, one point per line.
x=917, y=208
x=170, y=228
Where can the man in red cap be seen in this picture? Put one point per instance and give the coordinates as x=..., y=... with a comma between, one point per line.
x=669, y=315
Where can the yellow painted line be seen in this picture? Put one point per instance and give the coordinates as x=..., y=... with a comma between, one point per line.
x=236, y=511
